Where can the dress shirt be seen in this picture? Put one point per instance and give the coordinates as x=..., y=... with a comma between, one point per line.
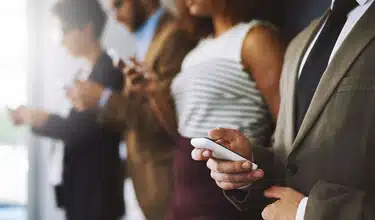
x=145, y=34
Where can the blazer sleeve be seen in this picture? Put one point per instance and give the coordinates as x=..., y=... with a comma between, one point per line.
x=332, y=201
x=77, y=126
x=115, y=113
x=252, y=197
x=167, y=66
x=328, y=200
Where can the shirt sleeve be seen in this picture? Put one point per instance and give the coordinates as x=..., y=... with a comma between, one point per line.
x=104, y=98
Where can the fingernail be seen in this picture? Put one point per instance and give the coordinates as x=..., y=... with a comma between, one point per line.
x=206, y=153
x=246, y=165
x=258, y=174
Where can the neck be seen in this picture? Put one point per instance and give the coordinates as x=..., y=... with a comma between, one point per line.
x=222, y=24
x=93, y=53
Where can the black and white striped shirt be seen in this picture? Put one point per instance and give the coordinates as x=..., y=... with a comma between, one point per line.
x=213, y=90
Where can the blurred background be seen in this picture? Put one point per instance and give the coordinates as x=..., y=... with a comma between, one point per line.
x=32, y=65
x=33, y=69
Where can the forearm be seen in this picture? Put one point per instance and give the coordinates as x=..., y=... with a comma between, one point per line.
x=52, y=127
x=77, y=126
x=115, y=113
x=162, y=104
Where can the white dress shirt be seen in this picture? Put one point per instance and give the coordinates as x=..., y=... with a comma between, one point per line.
x=353, y=18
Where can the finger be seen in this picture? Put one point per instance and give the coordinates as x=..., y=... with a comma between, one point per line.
x=276, y=192
x=242, y=178
x=224, y=134
x=230, y=186
x=134, y=61
x=229, y=167
x=272, y=211
x=129, y=70
x=268, y=213
x=138, y=78
x=200, y=154
x=135, y=88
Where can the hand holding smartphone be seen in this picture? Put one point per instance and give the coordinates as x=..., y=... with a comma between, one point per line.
x=219, y=151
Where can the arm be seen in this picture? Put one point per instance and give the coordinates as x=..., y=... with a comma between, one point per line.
x=252, y=197
x=262, y=56
x=114, y=113
x=78, y=125
x=167, y=66
x=333, y=201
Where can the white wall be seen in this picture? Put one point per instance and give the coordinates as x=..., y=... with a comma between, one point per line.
x=50, y=67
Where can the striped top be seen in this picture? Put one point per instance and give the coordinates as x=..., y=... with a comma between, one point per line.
x=213, y=90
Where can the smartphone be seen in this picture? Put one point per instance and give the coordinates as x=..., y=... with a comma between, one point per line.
x=218, y=151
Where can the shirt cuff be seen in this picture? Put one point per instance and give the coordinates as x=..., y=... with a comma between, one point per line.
x=301, y=209
x=244, y=188
x=104, y=98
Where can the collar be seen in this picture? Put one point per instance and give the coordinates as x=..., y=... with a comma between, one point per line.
x=150, y=23
x=360, y=2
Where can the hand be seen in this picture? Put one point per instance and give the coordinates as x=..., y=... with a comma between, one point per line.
x=139, y=78
x=33, y=117
x=228, y=174
x=15, y=116
x=85, y=95
x=286, y=207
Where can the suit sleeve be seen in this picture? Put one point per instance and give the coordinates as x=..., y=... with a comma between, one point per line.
x=333, y=201
x=115, y=113
x=252, y=197
x=329, y=200
x=77, y=126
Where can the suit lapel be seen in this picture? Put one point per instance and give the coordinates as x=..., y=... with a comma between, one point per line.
x=292, y=71
x=356, y=41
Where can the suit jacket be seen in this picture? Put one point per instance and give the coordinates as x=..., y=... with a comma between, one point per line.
x=149, y=145
x=331, y=158
x=92, y=171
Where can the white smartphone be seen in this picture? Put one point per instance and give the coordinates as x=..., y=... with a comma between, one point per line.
x=218, y=151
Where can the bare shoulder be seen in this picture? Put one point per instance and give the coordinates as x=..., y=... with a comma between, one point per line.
x=263, y=42
x=261, y=37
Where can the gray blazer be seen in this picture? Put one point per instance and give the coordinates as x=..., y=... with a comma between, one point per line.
x=332, y=157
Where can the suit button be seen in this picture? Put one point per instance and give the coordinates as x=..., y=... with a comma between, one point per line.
x=292, y=168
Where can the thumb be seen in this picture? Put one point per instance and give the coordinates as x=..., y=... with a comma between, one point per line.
x=275, y=192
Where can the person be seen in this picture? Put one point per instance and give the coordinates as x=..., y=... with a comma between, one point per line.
x=231, y=78
x=149, y=146
x=324, y=140
x=92, y=179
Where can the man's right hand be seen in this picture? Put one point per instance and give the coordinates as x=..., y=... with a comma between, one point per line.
x=228, y=174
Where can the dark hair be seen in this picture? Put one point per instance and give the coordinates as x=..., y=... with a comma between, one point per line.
x=237, y=10
x=78, y=13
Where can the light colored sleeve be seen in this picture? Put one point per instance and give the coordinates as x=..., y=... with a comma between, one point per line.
x=104, y=98
x=301, y=209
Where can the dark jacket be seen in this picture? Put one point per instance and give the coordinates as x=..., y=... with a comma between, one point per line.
x=92, y=171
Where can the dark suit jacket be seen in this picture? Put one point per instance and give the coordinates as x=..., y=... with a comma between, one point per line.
x=92, y=172
x=331, y=158
x=149, y=145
